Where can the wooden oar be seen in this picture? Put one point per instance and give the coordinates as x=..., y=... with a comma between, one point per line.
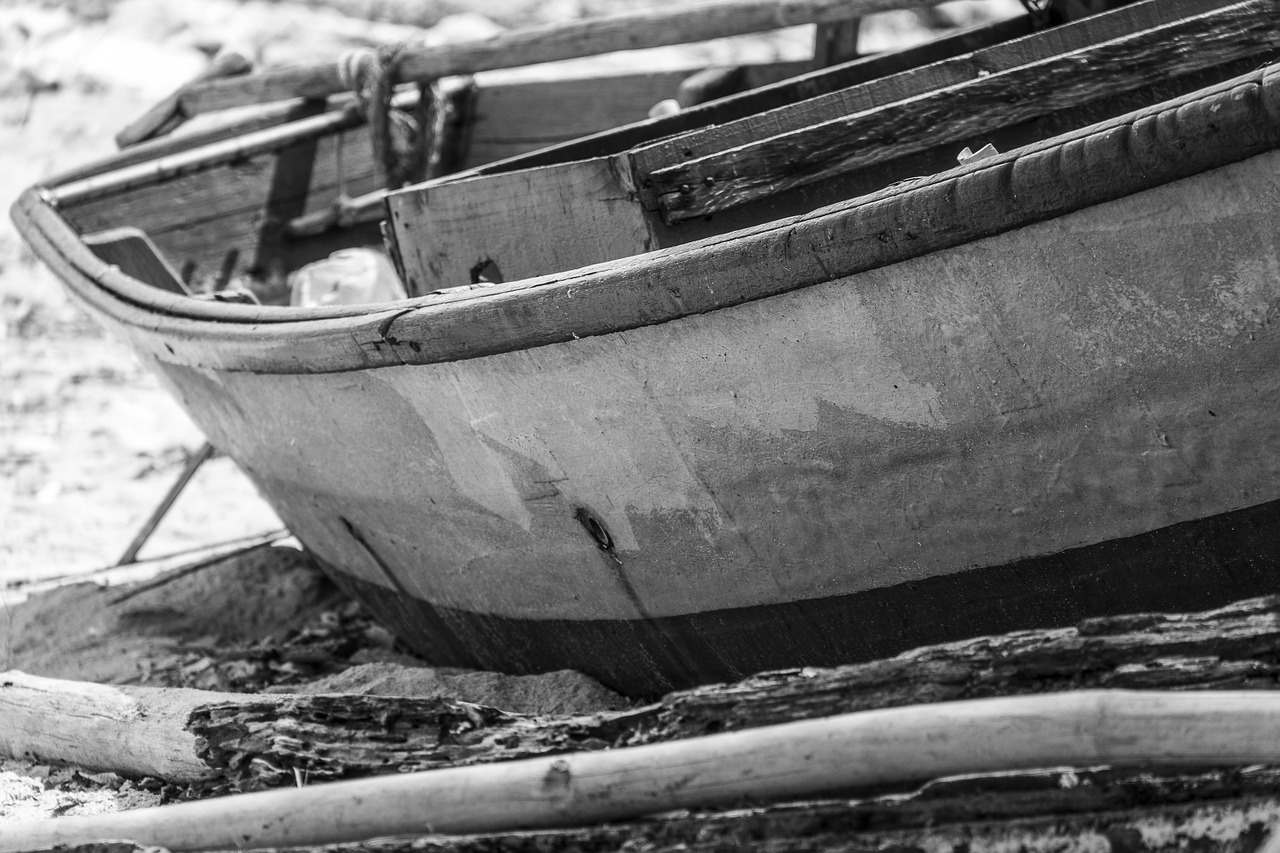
x=788, y=761
x=679, y=24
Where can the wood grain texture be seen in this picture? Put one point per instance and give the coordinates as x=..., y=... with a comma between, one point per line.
x=101, y=726
x=941, y=158
x=848, y=752
x=547, y=43
x=1129, y=153
x=251, y=186
x=130, y=250
x=769, y=97
x=862, y=95
x=514, y=118
x=817, y=152
x=556, y=217
x=256, y=742
x=853, y=129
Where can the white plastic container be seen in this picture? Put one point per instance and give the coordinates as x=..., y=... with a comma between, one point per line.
x=347, y=277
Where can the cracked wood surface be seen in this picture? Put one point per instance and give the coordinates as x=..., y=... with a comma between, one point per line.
x=1200, y=730
x=833, y=146
x=251, y=742
x=733, y=176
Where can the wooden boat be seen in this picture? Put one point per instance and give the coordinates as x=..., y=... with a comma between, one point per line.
x=1031, y=388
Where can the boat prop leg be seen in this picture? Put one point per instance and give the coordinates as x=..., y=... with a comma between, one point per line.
x=197, y=459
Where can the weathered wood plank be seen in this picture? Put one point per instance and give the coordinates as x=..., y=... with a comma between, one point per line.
x=722, y=180
x=863, y=95
x=135, y=255
x=769, y=96
x=1231, y=648
x=522, y=224
x=245, y=203
x=256, y=742
x=849, y=752
x=941, y=158
x=510, y=119
x=836, y=42
x=859, y=130
x=1214, y=127
x=213, y=222
x=548, y=43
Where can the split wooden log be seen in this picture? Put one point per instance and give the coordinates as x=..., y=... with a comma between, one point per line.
x=848, y=752
x=680, y=24
x=257, y=741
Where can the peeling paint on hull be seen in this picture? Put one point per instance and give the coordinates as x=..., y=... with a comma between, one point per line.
x=1072, y=414
x=931, y=425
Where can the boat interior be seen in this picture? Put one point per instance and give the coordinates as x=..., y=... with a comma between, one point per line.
x=527, y=177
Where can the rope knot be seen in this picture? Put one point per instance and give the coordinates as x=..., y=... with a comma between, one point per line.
x=401, y=142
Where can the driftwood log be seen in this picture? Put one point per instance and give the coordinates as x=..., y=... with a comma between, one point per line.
x=259, y=741
x=1229, y=811
x=848, y=752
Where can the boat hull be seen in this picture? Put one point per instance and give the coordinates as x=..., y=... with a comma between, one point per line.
x=1074, y=417
x=1207, y=562
x=1069, y=414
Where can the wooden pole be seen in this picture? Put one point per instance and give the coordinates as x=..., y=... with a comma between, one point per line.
x=253, y=742
x=194, y=462
x=788, y=761
x=677, y=24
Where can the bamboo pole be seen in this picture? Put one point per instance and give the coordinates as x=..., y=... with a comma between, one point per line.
x=678, y=24
x=792, y=760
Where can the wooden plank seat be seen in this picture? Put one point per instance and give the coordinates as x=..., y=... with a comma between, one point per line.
x=541, y=219
x=130, y=250
x=297, y=159
x=311, y=162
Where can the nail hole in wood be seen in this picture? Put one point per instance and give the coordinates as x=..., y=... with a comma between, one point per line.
x=595, y=527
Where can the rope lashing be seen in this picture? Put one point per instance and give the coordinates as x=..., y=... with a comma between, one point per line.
x=401, y=143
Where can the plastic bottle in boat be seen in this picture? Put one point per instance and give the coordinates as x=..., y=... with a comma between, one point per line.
x=347, y=277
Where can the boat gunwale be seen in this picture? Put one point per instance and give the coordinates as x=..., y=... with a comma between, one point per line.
x=1139, y=150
